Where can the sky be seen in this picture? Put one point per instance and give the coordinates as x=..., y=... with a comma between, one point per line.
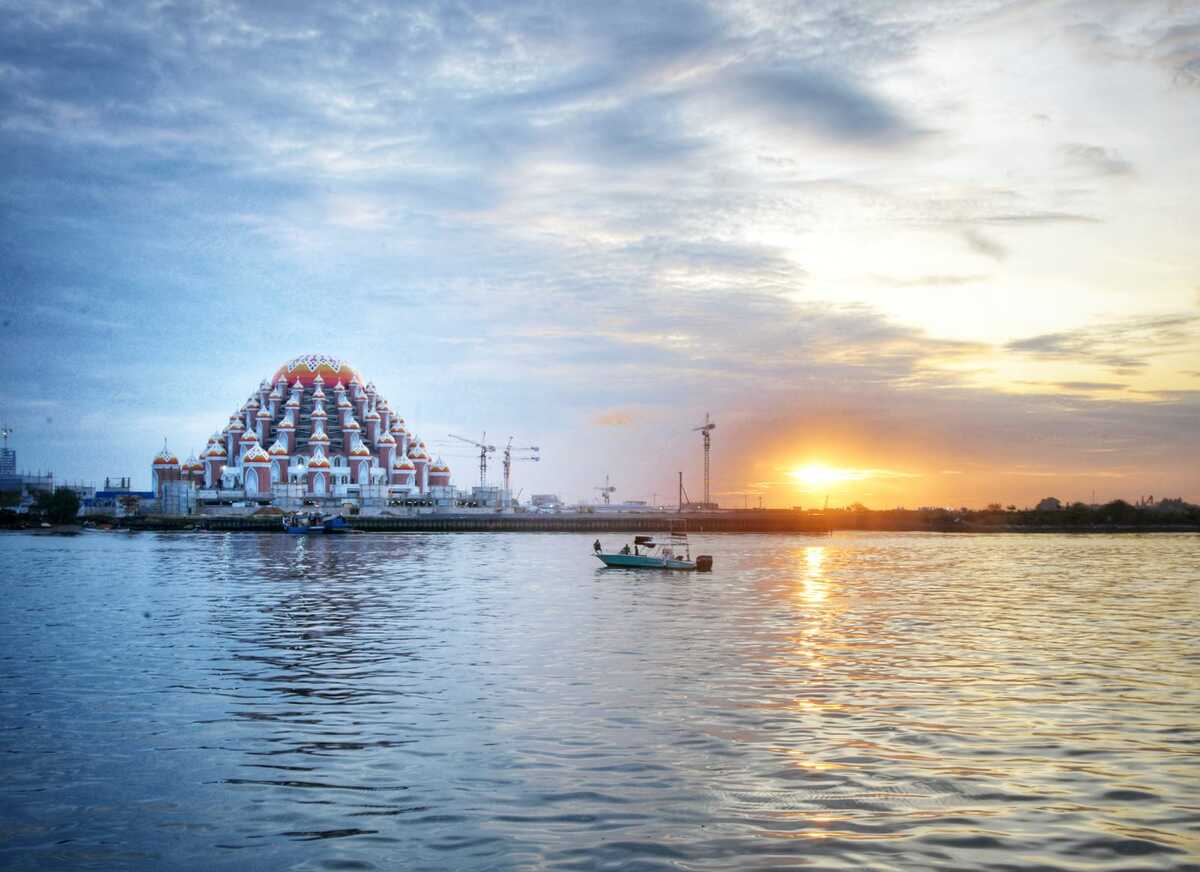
x=928, y=253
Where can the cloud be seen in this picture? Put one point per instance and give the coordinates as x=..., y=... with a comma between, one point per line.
x=1096, y=159
x=615, y=418
x=985, y=245
x=1124, y=346
x=819, y=102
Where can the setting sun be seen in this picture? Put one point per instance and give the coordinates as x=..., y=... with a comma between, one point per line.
x=818, y=474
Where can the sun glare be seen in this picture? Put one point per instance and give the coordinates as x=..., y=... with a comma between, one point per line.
x=818, y=474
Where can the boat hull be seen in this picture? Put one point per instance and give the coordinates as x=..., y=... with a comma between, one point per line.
x=639, y=561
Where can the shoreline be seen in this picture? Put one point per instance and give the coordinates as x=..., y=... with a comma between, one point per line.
x=768, y=521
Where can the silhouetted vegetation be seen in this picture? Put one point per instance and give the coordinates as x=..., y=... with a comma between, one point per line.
x=1117, y=514
x=57, y=507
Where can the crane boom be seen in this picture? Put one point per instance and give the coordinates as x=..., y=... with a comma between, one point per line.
x=484, y=451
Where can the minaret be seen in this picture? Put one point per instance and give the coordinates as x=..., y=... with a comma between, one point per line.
x=439, y=474
x=264, y=425
x=401, y=434
x=420, y=459
x=165, y=468
x=404, y=472
x=385, y=415
x=358, y=397
x=372, y=420
x=386, y=449
x=287, y=432
x=360, y=464
x=344, y=407
x=214, y=462
x=256, y=471
x=280, y=460
x=233, y=439
x=318, y=415
x=351, y=434
x=251, y=411
x=318, y=474
x=318, y=442
x=275, y=399
x=249, y=440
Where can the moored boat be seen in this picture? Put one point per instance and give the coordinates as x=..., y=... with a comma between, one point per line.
x=315, y=522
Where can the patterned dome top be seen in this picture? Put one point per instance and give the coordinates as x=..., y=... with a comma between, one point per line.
x=256, y=455
x=439, y=465
x=214, y=450
x=307, y=367
x=166, y=457
x=403, y=463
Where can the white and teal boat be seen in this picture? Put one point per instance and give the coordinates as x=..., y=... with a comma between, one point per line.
x=671, y=552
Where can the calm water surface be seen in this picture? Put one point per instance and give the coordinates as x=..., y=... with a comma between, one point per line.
x=498, y=702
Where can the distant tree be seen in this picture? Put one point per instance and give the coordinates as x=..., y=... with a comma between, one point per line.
x=1010, y=508
x=994, y=507
x=9, y=498
x=59, y=506
x=856, y=507
x=1119, y=512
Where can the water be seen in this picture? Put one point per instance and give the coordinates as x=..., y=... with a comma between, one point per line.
x=867, y=701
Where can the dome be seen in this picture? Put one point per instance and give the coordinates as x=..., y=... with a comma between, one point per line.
x=418, y=453
x=237, y=425
x=386, y=439
x=307, y=367
x=403, y=463
x=214, y=450
x=286, y=424
x=278, y=448
x=319, y=461
x=256, y=455
x=320, y=437
x=249, y=436
x=439, y=465
x=264, y=414
x=166, y=457
x=360, y=450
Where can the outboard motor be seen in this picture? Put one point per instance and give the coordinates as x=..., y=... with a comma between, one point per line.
x=704, y=563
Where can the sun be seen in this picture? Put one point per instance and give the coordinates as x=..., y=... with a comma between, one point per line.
x=818, y=475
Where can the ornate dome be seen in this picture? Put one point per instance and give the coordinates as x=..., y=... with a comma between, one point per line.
x=256, y=455
x=166, y=457
x=307, y=367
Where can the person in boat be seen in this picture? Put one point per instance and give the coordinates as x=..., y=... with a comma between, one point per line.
x=596, y=546
x=625, y=550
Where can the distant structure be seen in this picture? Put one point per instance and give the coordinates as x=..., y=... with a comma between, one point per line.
x=8, y=456
x=705, y=430
x=606, y=491
x=284, y=448
x=1050, y=504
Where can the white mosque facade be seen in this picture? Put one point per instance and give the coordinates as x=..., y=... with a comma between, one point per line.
x=313, y=435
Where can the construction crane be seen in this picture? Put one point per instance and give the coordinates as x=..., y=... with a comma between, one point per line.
x=484, y=451
x=605, y=491
x=508, y=458
x=706, y=430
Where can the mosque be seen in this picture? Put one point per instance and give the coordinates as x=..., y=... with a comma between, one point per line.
x=312, y=435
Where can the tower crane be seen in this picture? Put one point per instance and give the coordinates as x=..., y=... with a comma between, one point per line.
x=605, y=491
x=484, y=451
x=706, y=429
x=508, y=458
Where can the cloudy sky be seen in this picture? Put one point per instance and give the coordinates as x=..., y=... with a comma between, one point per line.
x=948, y=249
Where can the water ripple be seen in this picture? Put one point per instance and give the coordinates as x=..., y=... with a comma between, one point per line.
x=866, y=701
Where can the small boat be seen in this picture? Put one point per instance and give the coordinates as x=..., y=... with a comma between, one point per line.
x=673, y=552
x=315, y=522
